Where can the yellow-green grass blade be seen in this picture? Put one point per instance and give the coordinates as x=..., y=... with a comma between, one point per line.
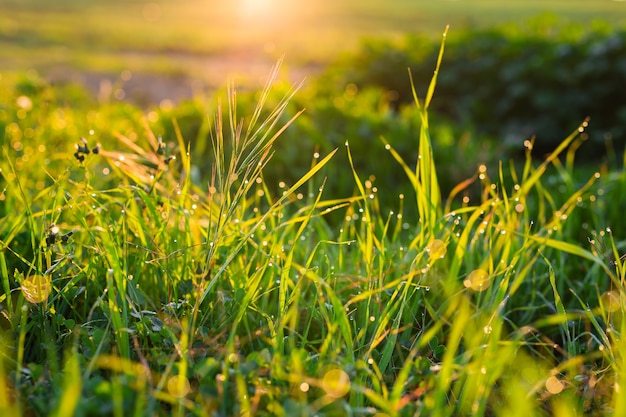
x=532, y=178
x=433, y=82
x=72, y=387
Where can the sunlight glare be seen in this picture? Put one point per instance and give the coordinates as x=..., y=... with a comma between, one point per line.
x=257, y=9
x=261, y=17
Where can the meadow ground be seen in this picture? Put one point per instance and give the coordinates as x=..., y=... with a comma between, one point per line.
x=132, y=283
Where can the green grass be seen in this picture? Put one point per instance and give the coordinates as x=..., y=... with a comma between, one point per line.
x=131, y=287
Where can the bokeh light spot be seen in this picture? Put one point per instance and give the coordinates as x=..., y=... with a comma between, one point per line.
x=554, y=385
x=178, y=386
x=24, y=103
x=477, y=280
x=436, y=249
x=336, y=383
x=610, y=301
x=37, y=288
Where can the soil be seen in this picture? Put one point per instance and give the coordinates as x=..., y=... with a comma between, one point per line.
x=193, y=75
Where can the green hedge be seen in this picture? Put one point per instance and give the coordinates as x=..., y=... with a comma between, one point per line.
x=542, y=78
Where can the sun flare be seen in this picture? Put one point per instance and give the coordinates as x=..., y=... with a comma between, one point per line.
x=257, y=9
x=269, y=12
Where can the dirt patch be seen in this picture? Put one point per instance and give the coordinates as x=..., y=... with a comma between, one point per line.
x=192, y=75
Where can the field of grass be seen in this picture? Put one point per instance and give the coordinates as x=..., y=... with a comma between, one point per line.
x=152, y=263
x=209, y=40
x=131, y=287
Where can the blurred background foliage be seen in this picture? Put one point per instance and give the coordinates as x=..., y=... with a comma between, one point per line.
x=541, y=78
x=498, y=86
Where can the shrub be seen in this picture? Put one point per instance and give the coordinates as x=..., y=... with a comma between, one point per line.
x=512, y=81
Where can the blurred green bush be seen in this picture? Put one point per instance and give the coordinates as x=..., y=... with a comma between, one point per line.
x=541, y=78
